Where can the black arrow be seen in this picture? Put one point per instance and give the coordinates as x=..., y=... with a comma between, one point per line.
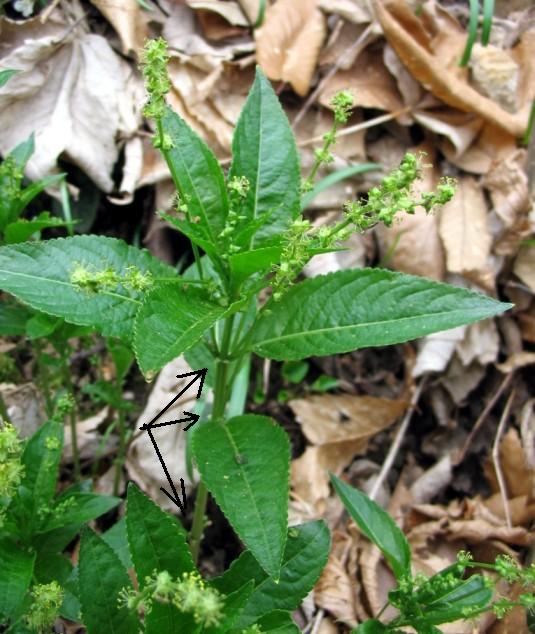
x=196, y=374
x=176, y=499
x=190, y=418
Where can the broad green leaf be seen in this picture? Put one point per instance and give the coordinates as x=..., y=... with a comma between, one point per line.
x=244, y=264
x=30, y=192
x=198, y=234
x=43, y=275
x=245, y=464
x=101, y=578
x=264, y=151
x=6, y=75
x=15, y=576
x=13, y=318
x=377, y=525
x=157, y=542
x=79, y=508
x=172, y=319
x=196, y=174
x=305, y=556
x=472, y=594
x=21, y=230
x=117, y=538
x=336, y=177
x=54, y=567
x=42, y=325
x=278, y=622
x=347, y=310
x=41, y=457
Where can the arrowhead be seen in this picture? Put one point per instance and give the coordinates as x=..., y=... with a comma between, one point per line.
x=191, y=418
x=182, y=504
x=197, y=374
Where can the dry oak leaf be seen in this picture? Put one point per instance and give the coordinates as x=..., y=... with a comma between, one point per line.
x=464, y=229
x=69, y=94
x=125, y=17
x=289, y=41
x=368, y=80
x=427, y=59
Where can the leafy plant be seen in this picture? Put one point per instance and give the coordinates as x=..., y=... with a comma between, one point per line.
x=37, y=582
x=248, y=237
x=172, y=597
x=449, y=595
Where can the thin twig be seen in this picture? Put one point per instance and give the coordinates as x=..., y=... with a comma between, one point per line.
x=462, y=454
x=396, y=444
x=359, y=42
x=496, y=458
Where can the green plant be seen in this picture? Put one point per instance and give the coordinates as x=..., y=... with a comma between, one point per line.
x=248, y=236
x=37, y=583
x=422, y=602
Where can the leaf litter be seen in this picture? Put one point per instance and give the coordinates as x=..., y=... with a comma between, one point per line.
x=79, y=92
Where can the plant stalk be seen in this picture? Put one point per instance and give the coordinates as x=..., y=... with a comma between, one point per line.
x=218, y=414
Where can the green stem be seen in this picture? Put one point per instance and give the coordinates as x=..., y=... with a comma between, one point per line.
x=329, y=139
x=119, y=461
x=72, y=418
x=218, y=415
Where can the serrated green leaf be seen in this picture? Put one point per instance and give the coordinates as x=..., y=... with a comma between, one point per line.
x=377, y=525
x=40, y=458
x=234, y=604
x=278, y=622
x=347, y=310
x=171, y=320
x=245, y=465
x=157, y=542
x=305, y=556
x=15, y=576
x=101, y=578
x=197, y=175
x=264, y=151
x=39, y=274
x=79, y=508
x=54, y=567
x=117, y=538
x=244, y=264
x=471, y=594
x=21, y=230
x=196, y=233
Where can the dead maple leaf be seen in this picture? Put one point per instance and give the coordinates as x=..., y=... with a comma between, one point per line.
x=289, y=41
x=432, y=59
x=464, y=229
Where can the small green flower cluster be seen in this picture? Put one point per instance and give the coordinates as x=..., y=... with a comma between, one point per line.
x=10, y=180
x=64, y=405
x=107, y=279
x=238, y=188
x=154, y=60
x=189, y=594
x=11, y=469
x=394, y=195
x=44, y=610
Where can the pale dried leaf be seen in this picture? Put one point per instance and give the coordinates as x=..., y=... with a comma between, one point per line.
x=88, y=438
x=435, y=351
x=524, y=266
x=496, y=74
x=432, y=481
x=69, y=94
x=230, y=11
x=481, y=343
x=464, y=229
x=408, y=87
x=527, y=431
x=334, y=591
x=289, y=41
x=459, y=128
x=142, y=463
x=508, y=186
x=460, y=380
x=24, y=405
x=516, y=360
x=356, y=11
x=328, y=418
x=519, y=476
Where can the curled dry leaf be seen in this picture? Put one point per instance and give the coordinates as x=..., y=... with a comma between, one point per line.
x=496, y=74
x=142, y=463
x=125, y=17
x=524, y=266
x=69, y=93
x=516, y=360
x=464, y=229
x=432, y=59
x=435, y=351
x=289, y=41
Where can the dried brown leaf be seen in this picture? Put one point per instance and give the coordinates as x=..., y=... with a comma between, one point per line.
x=524, y=266
x=519, y=476
x=125, y=17
x=334, y=591
x=464, y=229
x=496, y=74
x=433, y=62
x=289, y=41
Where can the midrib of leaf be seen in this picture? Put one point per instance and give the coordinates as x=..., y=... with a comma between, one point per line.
x=176, y=181
x=352, y=326
x=257, y=511
x=108, y=612
x=126, y=298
